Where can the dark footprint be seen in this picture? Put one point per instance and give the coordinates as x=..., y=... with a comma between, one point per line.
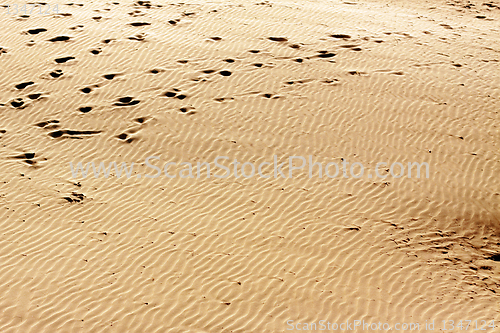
x=95, y=51
x=127, y=101
x=85, y=109
x=28, y=156
x=170, y=94
x=258, y=65
x=86, y=90
x=216, y=38
x=139, y=24
x=340, y=36
x=295, y=46
x=141, y=120
x=63, y=60
x=182, y=61
x=225, y=73
x=124, y=137
x=45, y=123
x=138, y=37
x=299, y=60
x=34, y=96
x=181, y=97
x=109, y=76
x=229, y=60
x=208, y=71
x=17, y=103
x=57, y=73
x=21, y=86
x=187, y=110
x=36, y=31
x=107, y=41
x=254, y=51
x=155, y=71
x=278, y=39
x=173, y=22
x=58, y=134
x=326, y=55
x=357, y=49
x=59, y=39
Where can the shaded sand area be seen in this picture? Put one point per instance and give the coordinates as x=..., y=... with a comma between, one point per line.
x=363, y=81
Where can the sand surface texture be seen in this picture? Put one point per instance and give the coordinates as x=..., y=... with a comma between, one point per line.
x=365, y=81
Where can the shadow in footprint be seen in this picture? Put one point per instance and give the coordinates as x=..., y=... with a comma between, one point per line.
x=23, y=85
x=127, y=101
x=36, y=31
x=57, y=73
x=64, y=59
x=139, y=24
x=34, y=96
x=85, y=109
x=59, y=39
x=278, y=39
x=109, y=76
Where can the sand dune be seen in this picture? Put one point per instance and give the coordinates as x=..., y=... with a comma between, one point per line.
x=364, y=81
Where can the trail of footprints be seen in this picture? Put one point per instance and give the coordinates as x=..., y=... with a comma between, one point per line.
x=174, y=93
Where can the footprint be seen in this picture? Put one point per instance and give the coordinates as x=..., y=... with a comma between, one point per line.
x=109, y=76
x=64, y=59
x=96, y=51
x=278, y=39
x=258, y=65
x=86, y=90
x=139, y=24
x=325, y=54
x=208, y=71
x=71, y=133
x=17, y=103
x=343, y=36
x=21, y=86
x=229, y=60
x=85, y=109
x=254, y=51
x=107, y=41
x=57, y=73
x=59, y=39
x=43, y=124
x=225, y=73
x=36, y=31
x=299, y=60
x=127, y=101
x=174, y=22
x=216, y=38
x=187, y=110
x=75, y=197
x=138, y=37
x=34, y=96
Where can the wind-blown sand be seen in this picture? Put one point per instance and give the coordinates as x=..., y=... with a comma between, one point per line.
x=366, y=81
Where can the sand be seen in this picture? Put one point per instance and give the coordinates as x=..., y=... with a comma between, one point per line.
x=364, y=81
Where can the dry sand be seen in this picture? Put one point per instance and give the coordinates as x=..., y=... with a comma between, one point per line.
x=410, y=82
